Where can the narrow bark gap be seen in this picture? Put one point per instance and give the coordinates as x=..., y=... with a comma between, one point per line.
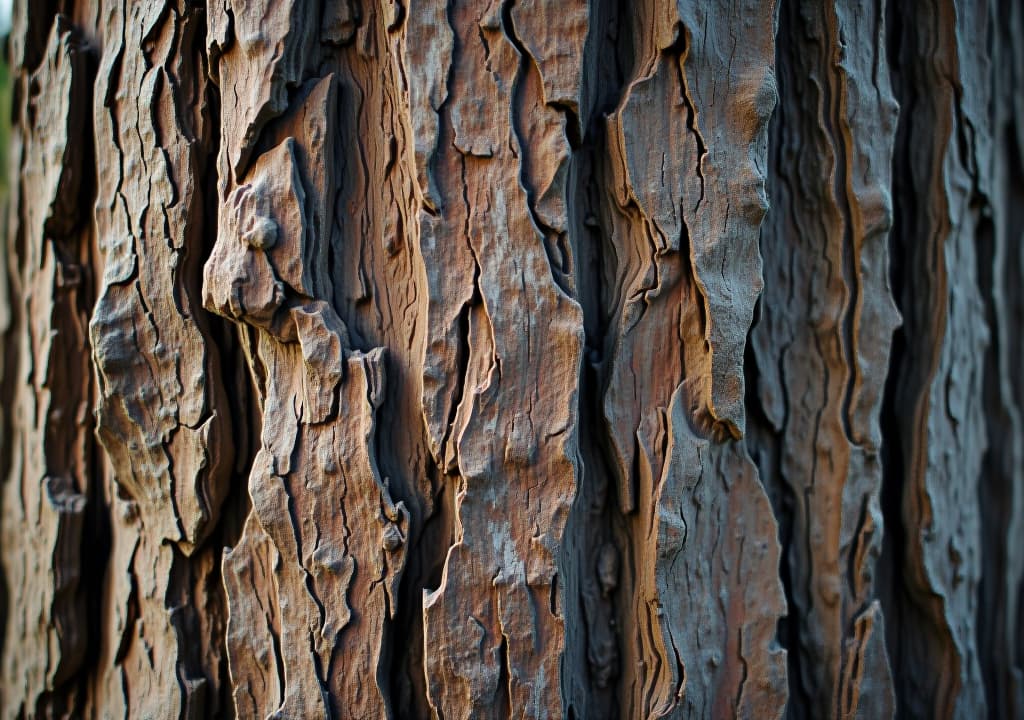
x=433, y=529
x=503, y=707
x=597, y=571
x=1001, y=487
x=892, y=563
x=97, y=522
x=214, y=695
x=237, y=382
x=423, y=574
x=933, y=414
x=766, y=448
x=616, y=589
x=995, y=492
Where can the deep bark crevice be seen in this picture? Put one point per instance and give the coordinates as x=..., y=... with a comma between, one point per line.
x=383, y=360
x=595, y=570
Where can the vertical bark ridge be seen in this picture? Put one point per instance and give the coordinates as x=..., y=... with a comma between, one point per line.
x=381, y=293
x=47, y=426
x=1000, y=269
x=317, y=569
x=492, y=229
x=827, y=313
x=941, y=177
x=685, y=195
x=162, y=411
x=465, y=292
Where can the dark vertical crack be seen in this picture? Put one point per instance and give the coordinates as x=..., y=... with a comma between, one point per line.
x=1000, y=266
x=597, y=562
x=892, y=560
x=764, y=441
x=681, y=49
x=504, y=707
x=909, y=627
x=766, y=448
x=96, y=527
x=995, y=492
x=230, y=364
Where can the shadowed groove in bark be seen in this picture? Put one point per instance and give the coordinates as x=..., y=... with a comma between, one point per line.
x=1001, y=491
x=97, y=522
x=893, y=558
x=49, y=289
x=821, y=348
x=450, y=124
x=942, y=190
x=239, y=387
x=767, y=446
x=599, y=553
x=434, y=528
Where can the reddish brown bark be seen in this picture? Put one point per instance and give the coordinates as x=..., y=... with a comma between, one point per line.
x=491, y=359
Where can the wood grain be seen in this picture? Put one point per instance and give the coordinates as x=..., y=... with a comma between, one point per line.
x=513, y=358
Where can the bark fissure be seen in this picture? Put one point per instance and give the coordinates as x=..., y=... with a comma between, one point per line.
x=529, y=358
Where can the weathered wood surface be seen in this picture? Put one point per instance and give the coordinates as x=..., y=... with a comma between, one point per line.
x=822, y=348
x=513, y=359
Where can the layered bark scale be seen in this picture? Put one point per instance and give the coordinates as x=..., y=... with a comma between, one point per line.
x=520, y=358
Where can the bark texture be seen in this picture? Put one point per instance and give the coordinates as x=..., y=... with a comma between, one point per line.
x=513, y=358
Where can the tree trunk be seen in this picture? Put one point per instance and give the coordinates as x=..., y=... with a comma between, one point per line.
x=529, y=359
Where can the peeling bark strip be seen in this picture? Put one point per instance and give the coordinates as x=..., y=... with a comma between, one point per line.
x=513, y=358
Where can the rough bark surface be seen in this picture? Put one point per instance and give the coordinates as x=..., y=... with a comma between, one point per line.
x=513, y=358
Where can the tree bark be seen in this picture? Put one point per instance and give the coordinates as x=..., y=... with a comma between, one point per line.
x=529, y=359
